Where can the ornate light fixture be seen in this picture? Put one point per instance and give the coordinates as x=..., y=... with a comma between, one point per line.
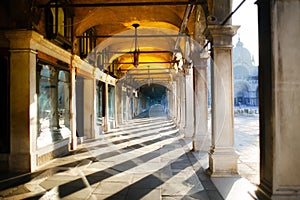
x=136, y=50
x=149, y=81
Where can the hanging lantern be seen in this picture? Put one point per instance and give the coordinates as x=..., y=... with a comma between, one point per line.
x=136, y=58
x=136, y=50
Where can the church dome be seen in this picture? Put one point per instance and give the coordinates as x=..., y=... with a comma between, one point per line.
x=241, y=54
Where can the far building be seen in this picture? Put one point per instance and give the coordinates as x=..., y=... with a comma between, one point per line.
x=245, y=77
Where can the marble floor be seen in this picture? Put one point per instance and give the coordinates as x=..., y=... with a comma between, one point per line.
x=146, y=158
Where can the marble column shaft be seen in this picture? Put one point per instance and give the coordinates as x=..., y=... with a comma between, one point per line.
x=279, y=97
x=73, y=107
x=178, y=101
x=189, y=104
x=182, y=103
x=201, y=138
x=119, y=105
x=105, y=126
x=23, y=101
x=222, y=156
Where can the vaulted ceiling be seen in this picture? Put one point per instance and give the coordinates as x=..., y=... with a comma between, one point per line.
x=163, y=29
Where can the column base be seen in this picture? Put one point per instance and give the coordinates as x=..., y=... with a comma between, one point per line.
x=264, y=192
x=182, y=129
x=20, y=162
x=223, y=162
x=188, y=131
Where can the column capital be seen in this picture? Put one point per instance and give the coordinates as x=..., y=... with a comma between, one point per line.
x=225, y=30
x=23, y=38
x=222, y=35
x=200, y=59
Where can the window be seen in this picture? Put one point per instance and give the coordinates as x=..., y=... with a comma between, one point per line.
x=111, y=102
x=100, y=105
x=53, y=91
x=87, y=44
x=63, y=88
x=59, y=24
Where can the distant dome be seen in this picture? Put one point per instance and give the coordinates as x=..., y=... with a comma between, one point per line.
x=241, y=54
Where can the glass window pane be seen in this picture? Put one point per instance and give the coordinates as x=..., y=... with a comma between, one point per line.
x=111, y=102
x=53, y=105
x=99, y=101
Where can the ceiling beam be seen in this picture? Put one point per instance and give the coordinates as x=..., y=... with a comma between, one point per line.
x=132, y=36
x=150, y=69
x=150, y=62
x=150, y=74
x=131, y=52
x=120, y=4
x=145, y=79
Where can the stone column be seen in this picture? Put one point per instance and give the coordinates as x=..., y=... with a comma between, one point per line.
x=171, y=103
x=88, y=107
x=116, y=107
x=178, y=101
x=222, y=155
x=119, y=105
x=23, y=101
x=174, y=107
x=105, y=119
x=189, y=104
x=201, y=136
x=126, y=107
x=73, y=106
x=182, y=102
x=167, y=102
x=279, y=97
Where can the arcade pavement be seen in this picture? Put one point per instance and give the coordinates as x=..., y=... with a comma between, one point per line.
x=145, y=159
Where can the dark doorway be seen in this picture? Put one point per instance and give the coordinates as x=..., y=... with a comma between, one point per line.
x=5, y=105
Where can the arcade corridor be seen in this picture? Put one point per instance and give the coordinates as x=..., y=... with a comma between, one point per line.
x=77, y=74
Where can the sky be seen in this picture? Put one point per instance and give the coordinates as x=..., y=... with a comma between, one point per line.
x=246, y=18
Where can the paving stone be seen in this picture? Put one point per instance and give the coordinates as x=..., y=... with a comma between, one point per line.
x=143, y=194
x=79, y=195
x=208, y=185
x=111, y=188
x=170, y=189
x=107, y=197
x=214, y=195
x=147, y=183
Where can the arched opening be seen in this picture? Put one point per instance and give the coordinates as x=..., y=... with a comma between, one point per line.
x=153, y=100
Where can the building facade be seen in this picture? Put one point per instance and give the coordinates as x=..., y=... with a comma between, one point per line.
x=245, y=77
